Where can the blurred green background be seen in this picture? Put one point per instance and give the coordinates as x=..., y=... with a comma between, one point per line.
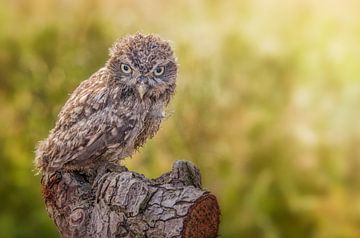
x=267, y=105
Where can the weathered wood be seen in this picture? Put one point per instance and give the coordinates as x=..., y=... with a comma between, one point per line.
x=115, y=202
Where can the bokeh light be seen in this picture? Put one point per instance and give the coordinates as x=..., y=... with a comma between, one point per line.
x=267, y=105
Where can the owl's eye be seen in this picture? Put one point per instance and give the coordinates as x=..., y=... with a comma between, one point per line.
x=125, y=68
x=159, y=70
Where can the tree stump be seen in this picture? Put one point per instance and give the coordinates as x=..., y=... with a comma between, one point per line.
x=119, y=203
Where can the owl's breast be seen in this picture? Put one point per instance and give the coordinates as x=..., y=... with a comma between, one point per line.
x=145, y=119
x=150, y=122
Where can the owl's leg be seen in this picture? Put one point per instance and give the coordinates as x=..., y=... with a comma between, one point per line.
x=123, y=153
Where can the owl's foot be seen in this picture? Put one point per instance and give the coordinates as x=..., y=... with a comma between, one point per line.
x=108, y=167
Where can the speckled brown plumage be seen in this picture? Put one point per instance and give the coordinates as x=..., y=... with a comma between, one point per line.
x=116, y=110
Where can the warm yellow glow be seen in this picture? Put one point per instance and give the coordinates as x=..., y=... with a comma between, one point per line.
x=267, y=104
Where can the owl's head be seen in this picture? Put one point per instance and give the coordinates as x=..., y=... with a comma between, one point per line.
x=145, y=64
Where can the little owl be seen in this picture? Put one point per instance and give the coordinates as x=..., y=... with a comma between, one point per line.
x=112, y=113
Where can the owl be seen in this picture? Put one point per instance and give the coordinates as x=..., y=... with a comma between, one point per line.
x=116, y=110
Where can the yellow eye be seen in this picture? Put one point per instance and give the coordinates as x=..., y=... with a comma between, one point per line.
x=159, y=70
x=125, y=68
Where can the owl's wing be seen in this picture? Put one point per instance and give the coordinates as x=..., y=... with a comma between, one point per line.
x=89, y=97
x=82, y=130
x=102, y=141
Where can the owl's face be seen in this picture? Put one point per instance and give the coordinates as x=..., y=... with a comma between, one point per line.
x=145, y=64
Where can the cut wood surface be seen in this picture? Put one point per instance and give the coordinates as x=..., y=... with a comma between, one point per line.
x=115, y=202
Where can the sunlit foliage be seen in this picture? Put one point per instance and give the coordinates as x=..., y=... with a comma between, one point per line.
x=267, y=105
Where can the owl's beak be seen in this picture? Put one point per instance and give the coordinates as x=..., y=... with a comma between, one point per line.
x=141, y=88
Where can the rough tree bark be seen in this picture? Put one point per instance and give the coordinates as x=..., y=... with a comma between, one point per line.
x=120, y=203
